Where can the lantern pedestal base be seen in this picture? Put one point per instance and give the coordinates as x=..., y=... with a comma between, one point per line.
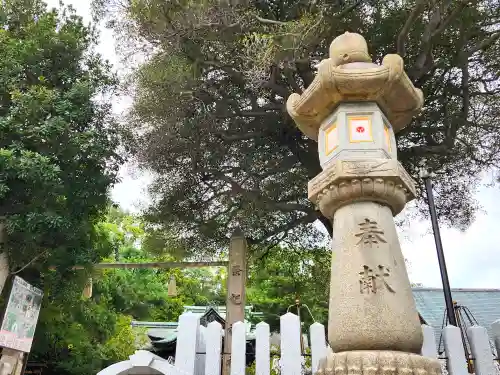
x=378, y=362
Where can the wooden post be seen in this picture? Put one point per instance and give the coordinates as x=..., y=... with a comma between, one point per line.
x=236, y=299
x=10, y=361
x=4, y=260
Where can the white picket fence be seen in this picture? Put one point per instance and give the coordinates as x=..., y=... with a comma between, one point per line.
x=199, y=350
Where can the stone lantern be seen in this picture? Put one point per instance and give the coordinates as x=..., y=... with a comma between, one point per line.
x=353, y=109
x=355, y=131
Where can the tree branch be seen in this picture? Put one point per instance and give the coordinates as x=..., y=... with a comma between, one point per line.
x=306, y=219
x=349, y=9
x=291, y=80
x=256, y=196
x=424, y=60
x=485, y=43
x=416, y=12
x=271, y=22
x=273, y=84
x=42, y=254
x=305, y=71
x=240, y=136
x=454, y=13
x=441, y=149
x=452, y=133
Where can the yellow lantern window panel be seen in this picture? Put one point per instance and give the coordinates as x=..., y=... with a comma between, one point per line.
x=387, y=136
x=360, y=129
x=331, y=139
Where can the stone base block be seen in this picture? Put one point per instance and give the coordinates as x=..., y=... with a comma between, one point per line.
x=378, y=362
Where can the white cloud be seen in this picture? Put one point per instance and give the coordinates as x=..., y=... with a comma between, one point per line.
x=472, y=257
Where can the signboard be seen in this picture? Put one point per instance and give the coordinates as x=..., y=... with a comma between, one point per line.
x=21, y=316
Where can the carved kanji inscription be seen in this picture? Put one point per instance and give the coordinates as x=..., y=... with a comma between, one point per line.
x=236, y=298
x=367, y=281
x=236, y=271
x=370, y=233
x=371, y=281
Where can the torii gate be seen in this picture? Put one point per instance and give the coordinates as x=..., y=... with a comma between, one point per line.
x=144, y=362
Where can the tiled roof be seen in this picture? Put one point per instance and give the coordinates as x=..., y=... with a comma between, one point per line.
x=483, y=304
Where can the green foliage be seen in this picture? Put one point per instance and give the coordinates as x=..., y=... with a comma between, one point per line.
x=79, y=336
x=119, y=346
x=58, y=160
x=287, y=274
x=210, y=117
x=274, y=368
x=58, y=144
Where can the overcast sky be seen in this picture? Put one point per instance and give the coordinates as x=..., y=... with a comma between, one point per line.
x=472, y=257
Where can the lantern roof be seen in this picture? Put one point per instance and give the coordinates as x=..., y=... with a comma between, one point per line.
x=349, y=75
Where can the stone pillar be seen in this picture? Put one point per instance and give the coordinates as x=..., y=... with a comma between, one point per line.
x=236, y=298
x=10, y=361
x=353, y=109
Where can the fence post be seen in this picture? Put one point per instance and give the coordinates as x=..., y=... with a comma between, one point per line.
x=291, y=357
x=429, y=348
x=213, y=345
x=187, y=337
x=318, y=345
x=200, y=350
x=457, y=362
x=495, y=327
x=262, y=349
x=481, y=351
x=238, y=348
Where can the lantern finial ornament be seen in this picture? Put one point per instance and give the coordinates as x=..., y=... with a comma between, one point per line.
x=349, y=75
x=353, y=109
x=349, y=48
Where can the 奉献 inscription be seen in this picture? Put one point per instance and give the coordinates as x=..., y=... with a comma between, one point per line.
x=236, y=271
x=371, y=281
x=236, y=298
x=370, y=233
